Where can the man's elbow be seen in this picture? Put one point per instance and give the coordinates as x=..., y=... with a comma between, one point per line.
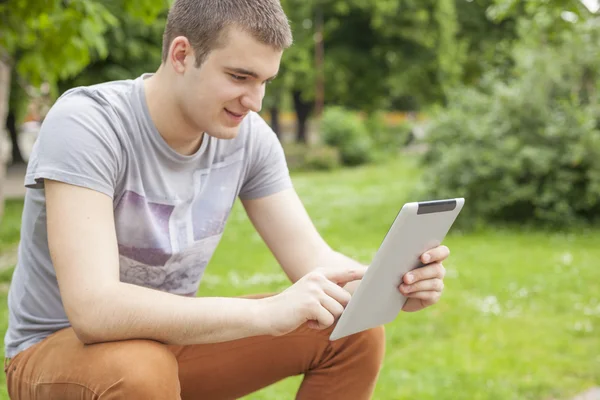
x=88, y=321
x=87, y=335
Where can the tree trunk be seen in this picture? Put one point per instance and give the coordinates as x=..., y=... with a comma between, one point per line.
x=275, y=125
x=303, y=109
x=4, y=154
x=11, y=125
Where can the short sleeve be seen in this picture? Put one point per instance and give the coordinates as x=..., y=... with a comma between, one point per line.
x=267, y=172
x=77, y=144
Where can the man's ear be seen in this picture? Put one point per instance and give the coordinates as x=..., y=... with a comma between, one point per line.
x=181, y=54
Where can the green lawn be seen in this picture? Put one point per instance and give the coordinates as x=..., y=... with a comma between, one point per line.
x=11, y=224
x=520, y=317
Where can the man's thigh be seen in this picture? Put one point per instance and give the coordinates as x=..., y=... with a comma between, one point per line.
x=61, y=367
x=233, y=369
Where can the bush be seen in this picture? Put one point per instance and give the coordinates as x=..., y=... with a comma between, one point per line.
x=301, y=157
x=294, y=155
x=357, y=151
x=386, y=138
x=526, y=151
x=322, y=158
x=345, y=130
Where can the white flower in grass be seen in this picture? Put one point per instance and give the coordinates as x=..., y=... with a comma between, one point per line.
x=451, y=273
x=591, y=310
x=583, y=326
x=211, y=280
x=265, y=279
x=490, y=305
x=567, y=258
x=522, y=292
x=235, y=279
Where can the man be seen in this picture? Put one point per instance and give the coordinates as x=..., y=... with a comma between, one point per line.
x=131, y=183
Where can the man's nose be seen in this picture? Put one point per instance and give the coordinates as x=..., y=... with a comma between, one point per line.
x=252, y=100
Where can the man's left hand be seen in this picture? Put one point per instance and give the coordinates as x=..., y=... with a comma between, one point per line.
x=423, y=286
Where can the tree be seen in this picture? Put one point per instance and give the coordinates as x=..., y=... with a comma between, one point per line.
x=4, y=83
x=296, y=74
x=48, y=40
x=136, y=48
x=375, y=53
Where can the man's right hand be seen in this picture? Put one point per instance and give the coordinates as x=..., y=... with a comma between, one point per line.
x=318, y=298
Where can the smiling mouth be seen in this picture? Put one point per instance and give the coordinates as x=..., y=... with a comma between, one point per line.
x=235, y=114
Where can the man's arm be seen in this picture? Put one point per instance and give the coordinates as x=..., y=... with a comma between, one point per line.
x=284, y=224
x=288, y=231
x=83, y=248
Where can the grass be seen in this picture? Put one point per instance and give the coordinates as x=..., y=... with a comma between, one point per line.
x=10, y=227
x=520, y=317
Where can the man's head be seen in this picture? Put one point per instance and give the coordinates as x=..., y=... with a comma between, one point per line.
x=221, y=54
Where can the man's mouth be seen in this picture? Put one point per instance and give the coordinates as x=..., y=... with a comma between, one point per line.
x=236, y=115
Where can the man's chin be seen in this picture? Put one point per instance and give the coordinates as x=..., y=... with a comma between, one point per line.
x=225, y=133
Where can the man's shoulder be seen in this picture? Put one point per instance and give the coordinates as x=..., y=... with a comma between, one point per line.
x=95, y=112
x=104, y=94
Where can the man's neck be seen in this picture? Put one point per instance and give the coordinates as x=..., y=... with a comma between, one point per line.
x=168, y=118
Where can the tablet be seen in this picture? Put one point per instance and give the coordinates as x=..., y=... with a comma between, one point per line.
x=418, y=227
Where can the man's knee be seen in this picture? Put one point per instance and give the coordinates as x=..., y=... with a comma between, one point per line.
x=142, y=369
x=371, y=347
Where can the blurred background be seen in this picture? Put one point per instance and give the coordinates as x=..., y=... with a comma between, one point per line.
x=377, y=103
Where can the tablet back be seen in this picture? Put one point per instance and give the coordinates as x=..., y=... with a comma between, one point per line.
x=417, y=228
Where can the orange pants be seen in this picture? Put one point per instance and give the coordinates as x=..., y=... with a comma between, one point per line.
x=62, y=368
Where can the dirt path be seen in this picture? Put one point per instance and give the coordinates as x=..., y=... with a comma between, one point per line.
x=15, y=176
x=592, y=394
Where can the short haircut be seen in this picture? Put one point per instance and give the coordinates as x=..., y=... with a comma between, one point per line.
x=205, y=24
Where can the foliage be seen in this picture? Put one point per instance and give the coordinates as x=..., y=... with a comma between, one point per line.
x=322, y=158
x=345, y=130
x=389, y=53
x=340, y=126
x=52, y=39
x=387, y=139
x=376, y=53
x=135, y=49
x=303, y=157
x=49, y=39
x=526, y=150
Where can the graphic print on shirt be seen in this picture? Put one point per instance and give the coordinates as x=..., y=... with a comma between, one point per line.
x=167, y=247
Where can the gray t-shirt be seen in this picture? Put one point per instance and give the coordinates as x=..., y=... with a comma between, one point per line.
x=169, y=209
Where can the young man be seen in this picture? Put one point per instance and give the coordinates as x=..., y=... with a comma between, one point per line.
x=130, y=185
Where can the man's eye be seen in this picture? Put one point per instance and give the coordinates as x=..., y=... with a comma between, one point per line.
x=238, y=77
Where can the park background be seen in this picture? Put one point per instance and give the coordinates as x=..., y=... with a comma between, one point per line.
x=378, y=103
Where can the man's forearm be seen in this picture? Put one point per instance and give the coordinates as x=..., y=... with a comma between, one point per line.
x=133, y=312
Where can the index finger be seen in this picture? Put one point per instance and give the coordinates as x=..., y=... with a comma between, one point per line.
x=341, y=276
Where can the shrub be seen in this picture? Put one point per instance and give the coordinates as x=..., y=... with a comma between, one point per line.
x=387, y=139
x=322, y=158
x=345, y=130
x=526, y=151
x=294, y=155
x=357, y=151
x=301, y=157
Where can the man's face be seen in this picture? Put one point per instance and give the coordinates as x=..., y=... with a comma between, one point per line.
x=216, y=97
